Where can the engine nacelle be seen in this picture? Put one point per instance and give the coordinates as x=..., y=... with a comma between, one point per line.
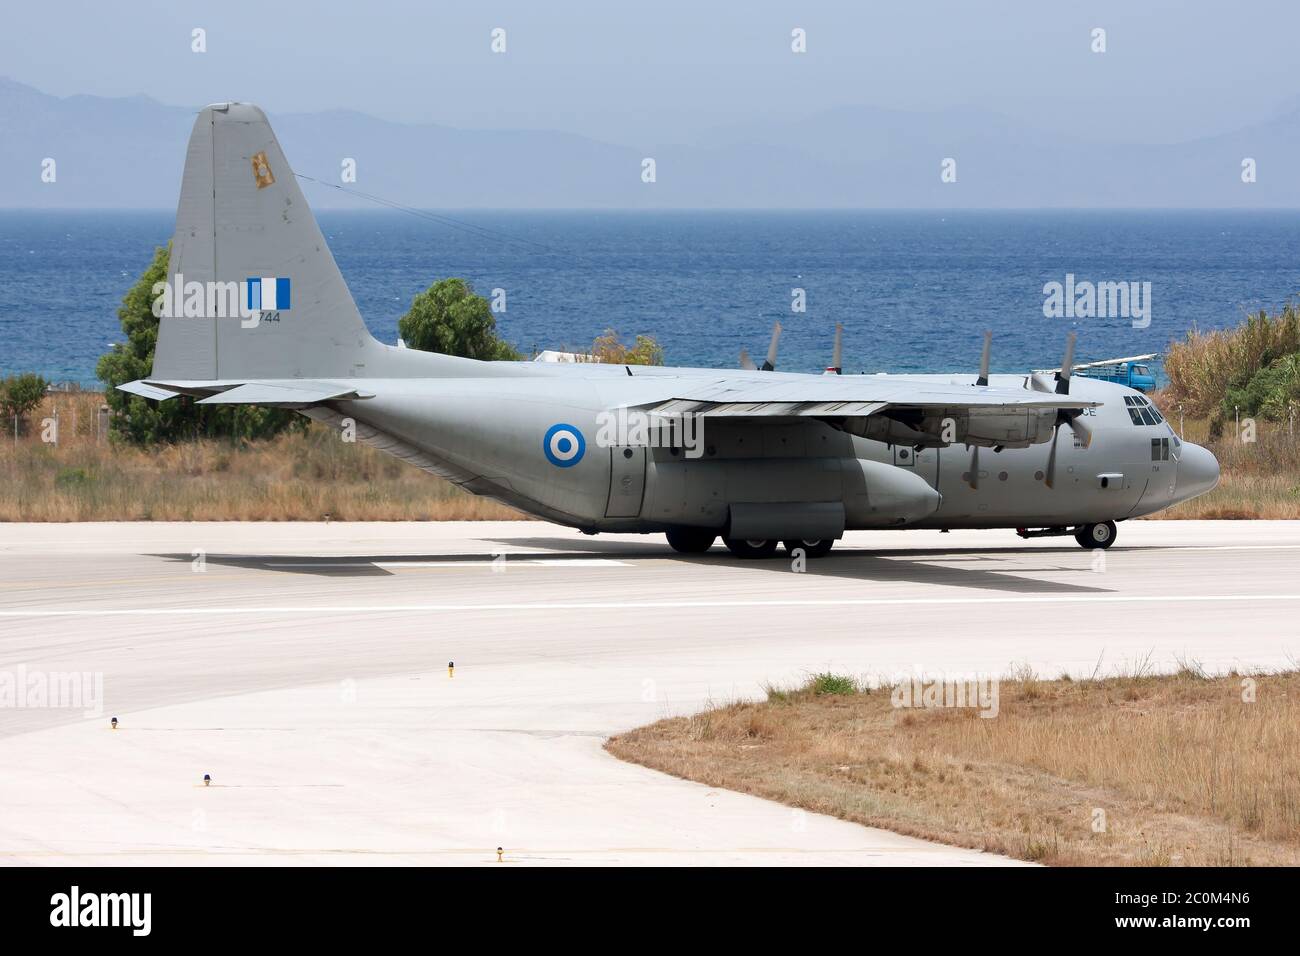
x=1008, y=428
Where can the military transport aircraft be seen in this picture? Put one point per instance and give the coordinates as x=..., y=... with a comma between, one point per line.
x=256, y=312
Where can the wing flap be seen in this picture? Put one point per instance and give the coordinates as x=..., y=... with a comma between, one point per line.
x=832, y=396
x=675, y=407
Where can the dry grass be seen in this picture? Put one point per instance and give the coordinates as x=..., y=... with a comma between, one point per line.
x=1260, y=479
x=1204, y=364
x=1185, y=771
x=297, y=477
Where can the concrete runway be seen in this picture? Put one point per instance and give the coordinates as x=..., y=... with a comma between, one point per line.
x=304, y=667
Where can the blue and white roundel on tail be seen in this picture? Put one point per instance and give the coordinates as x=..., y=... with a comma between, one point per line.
x=267, y=294
x=563, y=445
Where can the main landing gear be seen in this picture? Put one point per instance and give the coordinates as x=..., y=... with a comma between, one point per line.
x=691, y=540
x=756, y=548
x=699, y=540
x=813, y=548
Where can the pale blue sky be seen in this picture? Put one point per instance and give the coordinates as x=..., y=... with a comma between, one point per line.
x=667, y=69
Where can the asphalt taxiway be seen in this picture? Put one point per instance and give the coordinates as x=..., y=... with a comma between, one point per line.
x=304, y=667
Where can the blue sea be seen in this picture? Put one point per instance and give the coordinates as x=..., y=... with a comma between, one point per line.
x=914, y=290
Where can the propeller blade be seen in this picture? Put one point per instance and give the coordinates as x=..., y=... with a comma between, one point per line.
x=1067, y=366
x=1039, y=384
x=836, y=365
x=1080, y=429
x=1049, y=478
x=770, y=364
x=984, y=359
x=746, y=362
x=973, y=476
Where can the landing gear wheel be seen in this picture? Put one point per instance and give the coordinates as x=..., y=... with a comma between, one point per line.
x=1096, y=535
x=691, y=540
x=815, y=548
x=750, y=549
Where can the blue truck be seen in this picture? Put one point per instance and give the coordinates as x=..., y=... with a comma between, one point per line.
x=1134, y=371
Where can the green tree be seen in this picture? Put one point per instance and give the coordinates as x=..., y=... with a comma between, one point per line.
x=449, y=318
x=144, y=422
x=609, y=349
x=1272, y=392
x=19, y=394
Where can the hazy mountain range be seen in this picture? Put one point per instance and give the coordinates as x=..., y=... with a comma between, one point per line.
x=128, y=153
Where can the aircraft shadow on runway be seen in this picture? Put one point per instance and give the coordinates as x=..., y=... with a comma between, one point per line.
x=915, y=566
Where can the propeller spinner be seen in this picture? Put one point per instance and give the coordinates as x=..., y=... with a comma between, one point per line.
x=1064, y=416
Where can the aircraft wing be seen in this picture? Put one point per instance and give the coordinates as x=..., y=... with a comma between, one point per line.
x=833, y=396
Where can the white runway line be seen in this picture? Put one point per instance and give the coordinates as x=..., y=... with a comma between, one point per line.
x=664, y=605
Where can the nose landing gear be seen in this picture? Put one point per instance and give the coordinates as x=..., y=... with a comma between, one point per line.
x=1090, y=536
x=1093, y=536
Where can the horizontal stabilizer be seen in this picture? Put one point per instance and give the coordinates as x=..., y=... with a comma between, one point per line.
x=292, y=393
x=145, y=390
x=277, y=394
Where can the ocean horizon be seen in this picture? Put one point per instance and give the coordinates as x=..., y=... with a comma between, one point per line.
x=914, y=290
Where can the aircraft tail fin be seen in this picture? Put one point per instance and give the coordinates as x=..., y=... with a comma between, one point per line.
x=253, y=291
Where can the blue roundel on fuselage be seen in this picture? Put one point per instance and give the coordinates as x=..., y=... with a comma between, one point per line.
x=564, y=445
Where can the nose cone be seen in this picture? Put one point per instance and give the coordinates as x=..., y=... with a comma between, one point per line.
x=1198, y=471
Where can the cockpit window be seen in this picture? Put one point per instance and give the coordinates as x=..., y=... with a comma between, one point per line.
x=1141, y=411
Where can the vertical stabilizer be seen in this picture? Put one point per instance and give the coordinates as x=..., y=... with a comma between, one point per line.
x=255, y=292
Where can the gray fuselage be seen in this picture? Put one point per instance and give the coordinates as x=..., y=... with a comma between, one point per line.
x=485, y=427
